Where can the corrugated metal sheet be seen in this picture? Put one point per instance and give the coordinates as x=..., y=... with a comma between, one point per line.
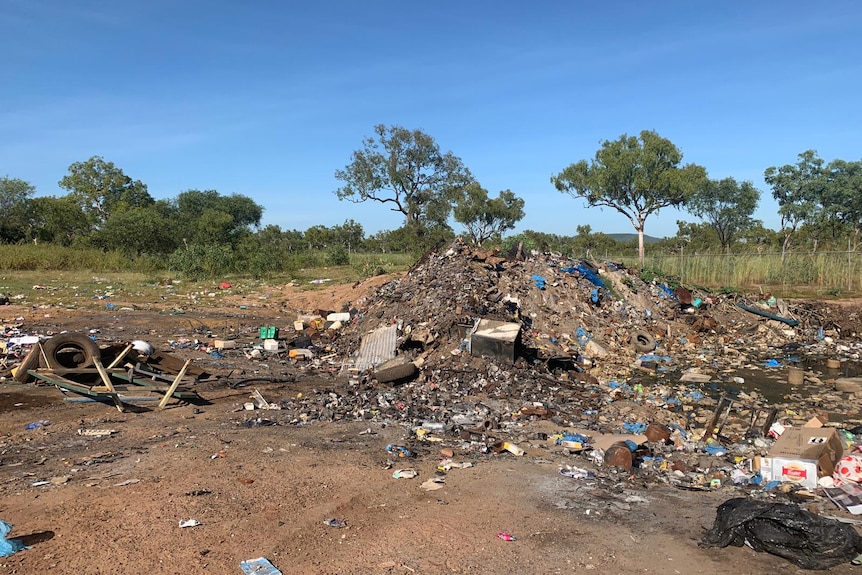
x=377, y=347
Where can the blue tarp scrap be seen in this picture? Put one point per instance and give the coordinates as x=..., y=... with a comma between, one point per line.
x=583, y=336
x=585, y=272
x=576, y=437
x=9, y=546
x=668, y=293
x=540, y=281
x=772, y=363
x=636, y=428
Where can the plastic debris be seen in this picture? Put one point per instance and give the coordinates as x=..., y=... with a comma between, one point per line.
x=399, y=450
x=37, y=424
x=808, y=540
x=405, y=473
x=576, y=473
x=9, y=546
x=259, y=566
x=433, y=484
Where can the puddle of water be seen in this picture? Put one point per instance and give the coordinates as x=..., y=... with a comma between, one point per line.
x=772, y=382
x=847, y=368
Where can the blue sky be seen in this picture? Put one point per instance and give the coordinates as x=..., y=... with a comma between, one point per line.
x=269, y=98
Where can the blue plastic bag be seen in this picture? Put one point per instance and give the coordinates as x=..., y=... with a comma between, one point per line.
x=636, y=428
x=9, y=546
x=583, y=336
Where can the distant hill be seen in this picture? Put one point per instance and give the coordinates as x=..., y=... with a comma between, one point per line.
x=623, y=238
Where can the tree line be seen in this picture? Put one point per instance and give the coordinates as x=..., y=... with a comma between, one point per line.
x=820, y=204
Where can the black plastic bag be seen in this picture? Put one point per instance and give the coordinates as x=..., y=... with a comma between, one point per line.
x=810, y=541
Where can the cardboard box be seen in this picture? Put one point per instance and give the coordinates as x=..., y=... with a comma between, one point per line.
x=802, y=455
x=818, y=421
x=224, y=344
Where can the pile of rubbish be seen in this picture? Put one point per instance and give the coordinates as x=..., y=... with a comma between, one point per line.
x=478, y=352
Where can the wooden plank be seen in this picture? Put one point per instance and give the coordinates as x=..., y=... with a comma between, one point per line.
x=70, y=385
x=120, y=357
x=78, y=370
x=174, y=385
x=179, y=393
x=109, y=384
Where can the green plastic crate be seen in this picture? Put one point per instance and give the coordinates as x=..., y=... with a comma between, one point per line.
x=268, y=332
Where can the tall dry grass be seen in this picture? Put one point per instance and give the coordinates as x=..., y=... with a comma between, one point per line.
x=821, y=274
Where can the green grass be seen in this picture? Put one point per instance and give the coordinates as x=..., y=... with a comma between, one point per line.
x=161, y=289
x=79, y=274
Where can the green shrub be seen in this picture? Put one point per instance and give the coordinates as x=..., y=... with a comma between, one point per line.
x=337, y=256
x=197, y=262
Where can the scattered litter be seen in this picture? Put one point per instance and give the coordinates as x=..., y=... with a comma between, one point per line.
x=263, y=403
x=507, y=446
x=506, y=536
x=337, y=523
x=447, y=464
x=259, y=566
x=405, y=473
x=576, y=473
x=127, y=482
x=190, y=523
x=433, y=484
x=96, y=432
x=38, y=424
x=399, y=450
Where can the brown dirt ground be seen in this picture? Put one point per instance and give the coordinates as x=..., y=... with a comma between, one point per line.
x=113, y=504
